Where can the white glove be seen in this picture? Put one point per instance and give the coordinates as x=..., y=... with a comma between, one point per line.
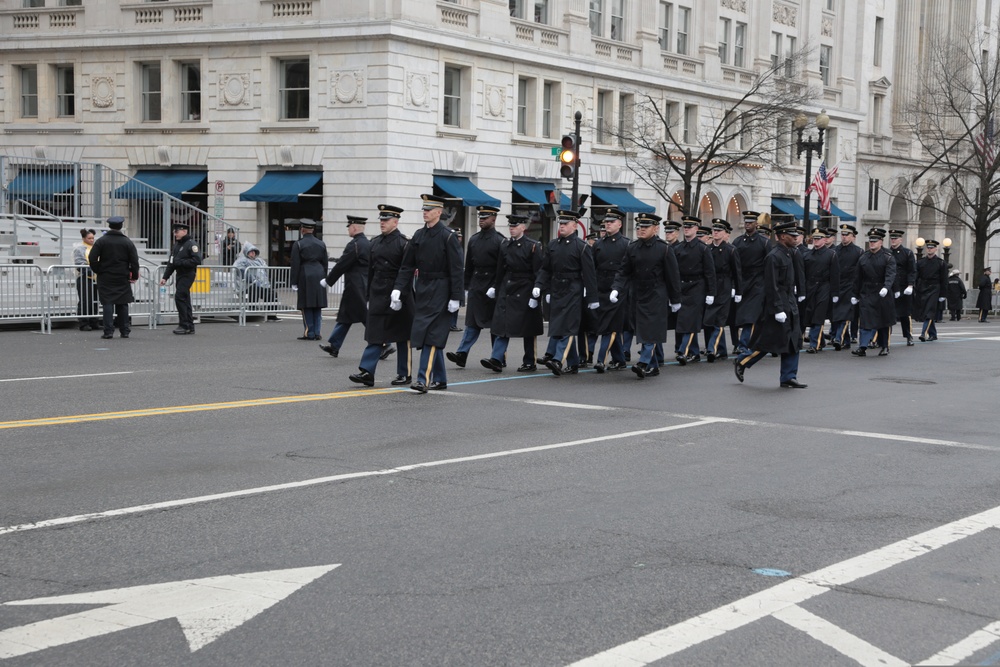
x=780, y=317
x=295, y=288
x=801, y=299
x=854, y=301
x=836, y=299
x=909, y=290
x=532, y=303
x=491, y=293
x=395, y=304
x=453, y=306
x=883, y=292
x=613, y=297
x=734, y=293
x=584, y=292
x=322, y=282
x=738, y=298
x=548, y=298
x=709, y=300
x=895, y=295
x=394, y=295
x=593, y=306
x=674, y=307
x=940, y=298
x=535, y=293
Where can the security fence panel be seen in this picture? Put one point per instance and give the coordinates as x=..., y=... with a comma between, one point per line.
x=22, y=294
x=72, y=295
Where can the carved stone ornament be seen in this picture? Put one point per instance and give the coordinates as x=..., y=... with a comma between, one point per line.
x=418, y=90
x=495, y=101
x=827, y=27
x=102, y=92
x=735, y=5
x=348, y=87
x=786, y=15
x=234, y=90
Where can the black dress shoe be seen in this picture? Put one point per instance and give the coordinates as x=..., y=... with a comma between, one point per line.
x=329, y=350
x=492, y=364
x=693, y=358
x=387, y=352
x=401, y=380
x=527, y=368
x=438, y=386
x=86, y=327
x=837, y=346
x=710, y=357
x=459, y=358
x=860, y=352
x=931, y=338
x=883, y=352
x=455, y=329
x=419, y=388
x=107, y=336
x=599, y=367
x=680, y=358
x=909, y=342
x=811, y=350
x=304, y=338
x=555, y=366
x=572, y=370
x=124, y=335
x=617, y=366
x=740, y=369
x=793, y=384
x=364, y=377
x=922, y=339
x=543, y=360
x=180, y=331
x=639, y=369
x=653, y=372
x=724, y=355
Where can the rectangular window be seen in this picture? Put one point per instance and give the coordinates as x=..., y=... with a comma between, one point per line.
x=597, y=18
x=65, y=92
x=541, y=11
x=666, y=24
x=872, y=194
x=690, y=130
x=549, y=95
x=877, y=115
x=725, y=25
x=152, y=92
x=29, y=91
x=516, y=9
x=603, y=113
x=34, y=3
x=830, y=148
x=190, y=91
x=830, y=4
x=789, y=53
x=825, y=59
x=877, y=55
x=618, y=20
x=452, y=112
x=293, y=89
x=776, y=50
x=626, y=112
x=522, y=106
x=71, y=3
x=670, y=116
x=683, y=26
x=739, y=45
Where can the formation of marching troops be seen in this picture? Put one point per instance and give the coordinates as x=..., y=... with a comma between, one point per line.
x=773, y=291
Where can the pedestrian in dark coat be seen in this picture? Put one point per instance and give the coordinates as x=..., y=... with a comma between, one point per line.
x=229, y=247
x=843, y=312
x=389, y=320
x=984, y=300
x=752, y=248
x=650, y=275
x=822, y=271
x=185, y=257
x=116, y=262
x=353, y=266
x=517, y=314
x=728, y=283
x=567, y=274
x=906, y=278
x=697, y=269
x=932, y=288
x=434, y=255
x=872, y=287
x=310, y=262
x=956, y=295
x=608, y=320
x=777, y=331
x=481, y=256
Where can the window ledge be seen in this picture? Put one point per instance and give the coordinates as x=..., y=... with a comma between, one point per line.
x=289, y=126
x=44, y=128
x=456, y=133
x=536, y=142
x=167, y=128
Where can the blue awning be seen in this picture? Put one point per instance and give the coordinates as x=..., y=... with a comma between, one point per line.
x=282, y=186
x=40, y=184
x=791, y=207
x=842, y=214
x=621, y=199
x=464, y=189
x=535, y=192
x=151, y=183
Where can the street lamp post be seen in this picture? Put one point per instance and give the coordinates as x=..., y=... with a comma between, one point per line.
x=809, y=146
x=920, y=242
x=947, y=251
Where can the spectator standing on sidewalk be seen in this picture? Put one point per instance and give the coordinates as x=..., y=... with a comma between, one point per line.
x=116, y=262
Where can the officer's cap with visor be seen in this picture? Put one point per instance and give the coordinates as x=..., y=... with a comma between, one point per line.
x=386, y=211
x=721, y=225
x=514, y=220
x=432, y=202
x=647, y=220
x=690, y=221
x=487, y=211
x=355, y=220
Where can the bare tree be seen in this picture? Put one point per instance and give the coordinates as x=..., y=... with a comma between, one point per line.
x=734, y=136
x=954, y=119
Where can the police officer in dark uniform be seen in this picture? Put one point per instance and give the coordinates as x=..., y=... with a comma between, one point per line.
x=727, y=284
x=388, y=322
x=309, y=266
x=877, y=310
x=115, y=261
x=353, y=266
x=609, y=318
x=752, y=248
x=906, y=278
x=932, y=285
x=567, y=273
x=435, y=256
x=843, y=311
x=697, y=269
x=185, y=258
x=649, y=274
x=481, y=256
x=777, y=331
x=517, y=314
x=822, y=272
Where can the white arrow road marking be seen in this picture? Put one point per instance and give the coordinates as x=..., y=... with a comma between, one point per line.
x=837, y=638
x=205, y=608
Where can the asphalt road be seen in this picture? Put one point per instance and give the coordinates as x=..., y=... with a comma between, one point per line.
x=511, y=520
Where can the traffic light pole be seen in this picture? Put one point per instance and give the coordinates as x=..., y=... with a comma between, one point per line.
x=577, y=117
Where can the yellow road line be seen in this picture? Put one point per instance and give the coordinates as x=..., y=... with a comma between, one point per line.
x=202, y=407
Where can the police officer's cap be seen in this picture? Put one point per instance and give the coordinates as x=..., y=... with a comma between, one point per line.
x=513, y=220
x=671, y=225
x=386, y=211
x=647, y=220
x=931, y=243
x=750, y=216
x=432, y=201
x=876, y=233
x=896, y=233
x=116, y=222
x=567, y=216
x=614, y=214
x=704, y=231
x=848, y=229
x=818, y=233
x=307, y=224
x=487, y=211
x=690, y=221
x=721, y=225
x=355, y=220
x=181, y=225
x=787, y=228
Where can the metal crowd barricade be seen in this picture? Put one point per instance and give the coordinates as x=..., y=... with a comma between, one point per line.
x=214, y=292
x=22, y=294
x=62, y=297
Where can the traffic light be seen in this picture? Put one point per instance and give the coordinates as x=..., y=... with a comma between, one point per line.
x=568, y=156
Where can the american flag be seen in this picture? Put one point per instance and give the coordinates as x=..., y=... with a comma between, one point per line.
x=986, y=144
x=821, y=185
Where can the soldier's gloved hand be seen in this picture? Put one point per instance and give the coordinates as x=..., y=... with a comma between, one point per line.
x=295, y=288
x=584, y=292
x=883, y=292
x=548, y=298
x=733, y=293
x=613, y=297
x=491, y=293
x=453, y=306
x=895, y=295
x=854, y=300
x=780, y=317
x=737, y=298
x=836, y=299
x=909, y=290
x=801, y=299
x=394, y=295
x=535, y=292
x=594, y=306
x=709, y=300
x=674, y=307
x=322, y=282
x=395, y=304
x=532, y=303
x=941, y=298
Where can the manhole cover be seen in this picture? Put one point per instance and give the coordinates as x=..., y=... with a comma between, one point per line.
x=904, y=380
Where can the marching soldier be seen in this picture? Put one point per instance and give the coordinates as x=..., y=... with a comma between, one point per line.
x=353, y=266
x=876, y=276
x=480, y=278
x=842, y=313
x=932, y=285
x=906, y=277
x=389, y=321
x=184, y=259
x=609, y=318
x=697, y=270
x=517, y=314
x=309, y=266
x=822, y=288
x=752, y=248
x=727, y=284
